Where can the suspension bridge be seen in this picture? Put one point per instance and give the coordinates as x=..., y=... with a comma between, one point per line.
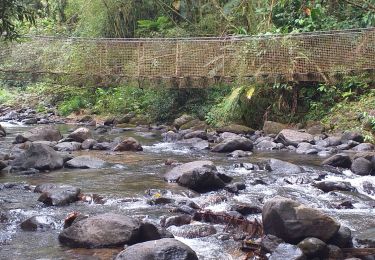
x=294, y=57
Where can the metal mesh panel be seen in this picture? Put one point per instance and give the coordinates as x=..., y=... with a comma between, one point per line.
x=266, y=56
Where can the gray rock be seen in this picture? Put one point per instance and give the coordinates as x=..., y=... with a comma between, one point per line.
x=343, y=238
x=174, y=174
x=328, y=186
x=293, y=222
x=80, y=134
x=266, y=145
x=86, y=162
x=312, y=247
x=269, y=243
x=279, y=166
x=334, y=253
x=352, y=136
x=40, y=157
x=232, y=144
x=29, y=121
x=41, y=133
x=196, y=134
x=162, y=249
x=88, y=144
x=363, y=147
x=128, y=144
x=333, y=140
x=68, y=146
x=338, y=160
x=293, y=137
x=39, y=223
x=178, y=122
x=287, y=251
x=180, y=220
x=59, y=195
x=361, y=166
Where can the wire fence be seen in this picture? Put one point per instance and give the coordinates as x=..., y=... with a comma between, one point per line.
x=292, y=57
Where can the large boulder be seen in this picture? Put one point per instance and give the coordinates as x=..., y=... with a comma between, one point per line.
x=362, y=166
x=236, y=129
x=293, y=137
x=41, y=133
x=80, y=134
x=200, y=176
x=162, y=249
x=233, y=144
x=106, y=230
x=178, y=122
x=174, y=174
x=2, y=132
x=271, y=127
x=38, y=156
x=128, y=144
x=293, y=222
x=85, y=162
x=338, y=160
x=283, y=167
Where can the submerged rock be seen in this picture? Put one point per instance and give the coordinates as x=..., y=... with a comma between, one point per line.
x=279, y=166
x=162, y=249
x=287, y=251
x=58, y=195
x=293, y=222
x=40, y=157
x=86, y=162
x=39, y=223
x=328, y=186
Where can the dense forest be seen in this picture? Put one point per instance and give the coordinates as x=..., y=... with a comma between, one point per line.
x=347, y=103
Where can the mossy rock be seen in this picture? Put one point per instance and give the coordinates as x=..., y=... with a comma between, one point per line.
x=139, y=120
x=194, y=124
x=236, y=129
x=271, y=127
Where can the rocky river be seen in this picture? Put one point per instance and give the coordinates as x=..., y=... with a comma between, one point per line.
x=83, y=190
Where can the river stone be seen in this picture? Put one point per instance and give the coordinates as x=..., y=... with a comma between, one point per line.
x=239, y=154
x=88, y=144
x=293, y=137
x=293, y=222
x=352, y=136
x=279, y=166
x=328, y=186
x=334, y=253
x=177, y=221
x=232, y=144
x=38, y=156
x=80, y=134
x=128, y=144
x=174, y=174
x=39, y=223
x=269, y=243
x=162, y=249
x=105, y=230
x=193, y=230
x=363, y=147
x=68, y=146
x=86, y=162
x=196, y=134
x=338, y=160
x=266, y=145
x=3, y=133
x=271, y=127
x=59, y=195
x=312, y=247
x=236, y=129
x=343, y=238
x=41, y=133
x=178, y=122
x=202, y=179
x=361, y=166
x=367, y=238
x=287, y=251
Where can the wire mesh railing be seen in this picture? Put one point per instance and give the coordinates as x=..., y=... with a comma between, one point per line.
x=303, y=56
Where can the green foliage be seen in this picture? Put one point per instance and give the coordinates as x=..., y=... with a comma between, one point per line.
x=5, y=96
x=13, y=12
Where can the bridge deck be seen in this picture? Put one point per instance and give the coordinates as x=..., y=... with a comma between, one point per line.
x=304, y=56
